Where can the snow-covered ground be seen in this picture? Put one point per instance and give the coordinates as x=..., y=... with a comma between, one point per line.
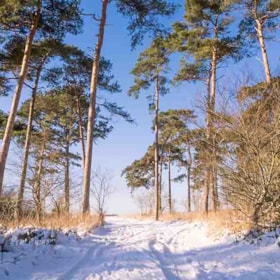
x=131, y=249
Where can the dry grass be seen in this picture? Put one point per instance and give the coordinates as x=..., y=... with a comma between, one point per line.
x=230, y=220
x=58, y=222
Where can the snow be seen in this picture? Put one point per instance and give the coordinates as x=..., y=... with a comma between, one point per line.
x=133, y=249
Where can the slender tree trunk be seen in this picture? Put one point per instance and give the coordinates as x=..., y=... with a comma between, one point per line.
x=213, y=81
x=157, y=185
x=215, y=181
x=259, y=29
x=81, y=130
x=211, y=100
x=27, y=142
x=208, y=131
x=92, y=111
x=212, y=142
x=12, y=115
x=189, y=177
x=67, y=175
x=160, y=184
x=37, y=183
x=189, y=188
x=206, y=193
x=169, y=185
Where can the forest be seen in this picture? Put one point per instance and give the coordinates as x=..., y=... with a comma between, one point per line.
x=226, y=152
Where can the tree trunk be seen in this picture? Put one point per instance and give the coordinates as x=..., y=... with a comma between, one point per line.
x=67, y=176
x=160, y=184
x=211, y=138
x=215, y=181
x=92, y=111
x=169, y=186
x=213, y=81
x=12, y=115
x=157, y=186
x=208, y=132
x=37, y=183
x=189, y=177
x=189, y=188
x=27, y=142
x=81, y=130
x=259, y=29
x=206, y=193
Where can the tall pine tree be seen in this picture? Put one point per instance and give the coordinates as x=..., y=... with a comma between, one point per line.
x=150, y=70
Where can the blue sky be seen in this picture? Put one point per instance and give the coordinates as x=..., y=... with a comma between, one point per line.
x=129, y=142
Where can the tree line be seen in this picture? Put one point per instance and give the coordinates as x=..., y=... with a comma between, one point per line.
x=64, y=108
x=210, y=37
x=68, y=104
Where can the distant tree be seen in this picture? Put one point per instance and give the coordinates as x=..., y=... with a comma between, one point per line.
x=101, y=189
x=146, y=202
x=141, y=172
x=150, y=71
x=175, y=142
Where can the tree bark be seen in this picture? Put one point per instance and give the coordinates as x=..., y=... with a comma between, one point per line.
x=160, y=184
x=208, y=125
x=259, y=29
x=67, y=176
x=190, y=162
x=81, y=130
x=206, y=193
x=157, y=186
x=169, y=185
x=189, y=188
x=211, y=138
x=215, y=189
x=92, y=111
x=27, y=142
x=37, y=183
x=213, y=82
x=12, y=115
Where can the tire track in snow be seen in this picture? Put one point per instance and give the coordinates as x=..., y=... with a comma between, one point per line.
x=93, y=251
x=162, y=263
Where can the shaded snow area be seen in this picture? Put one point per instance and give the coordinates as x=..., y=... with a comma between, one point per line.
x=132, y=249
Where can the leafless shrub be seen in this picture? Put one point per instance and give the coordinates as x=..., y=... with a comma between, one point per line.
x=251, y=168
x=101, y=188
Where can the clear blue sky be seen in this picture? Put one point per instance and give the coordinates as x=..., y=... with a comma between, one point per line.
x=129, y=142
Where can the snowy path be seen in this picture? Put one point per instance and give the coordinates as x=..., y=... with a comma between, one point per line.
x=131, y=249
x=128, y=249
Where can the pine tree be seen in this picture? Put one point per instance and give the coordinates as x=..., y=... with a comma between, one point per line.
x=150, y=71
x=45, y=18
x=175, y=143
x=141, y=172
x=205, y=39
x=42, y=53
